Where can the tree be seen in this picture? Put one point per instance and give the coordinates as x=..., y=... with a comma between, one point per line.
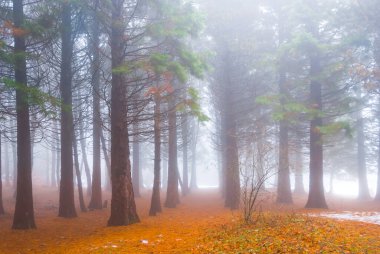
x=155, y=206
x=96, y=193
x=284, y=193
x=66, y=194
x=1, y=183
x=24, y=212
x=172, y=194
x=316, y=198
x=123, y=207
x=362, y=168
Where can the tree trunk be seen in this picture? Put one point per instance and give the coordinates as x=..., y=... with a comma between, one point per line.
x=172, y=195
x=298, y=165
x=362, y=168
x=66, y=194
x=316, y=197
x=123, y=207
x=232, y=177
x=185, y=170
x=193, y=179
x=6, y=164
x=24, y=212
x=96, y=193
x=284, y=192
x=229, y=144
x=1, y=183
x=155, y=206
x=107, y=159
x=53, y=178
x=14, y=159
x=79, y=176
x=165, y=166
x=136, y=161
x=377, y=197
x=84, y=156
x=58, y=157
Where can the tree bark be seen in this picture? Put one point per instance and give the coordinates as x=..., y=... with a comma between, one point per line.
x=24, y=212
x=185, y=170
x=232, y=174
x=53, y=178
x=377, y=197
x=123, y=207
x=107, y=159
x=14, y=158
x=155, y=206
x=78, y=175
x=1, y=183
x=96, y=192
x=172, y=194
x=298, y=165
x=362, y=167
x=284, y=192
x=66, y=194
x=229, y=144
x=316, y=198
x=136, y=161
x=194, y=141
x=84, y=156
x=6, y=164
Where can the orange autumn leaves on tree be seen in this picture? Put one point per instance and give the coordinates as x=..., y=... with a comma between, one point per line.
x=9, y=29
x=165, y=88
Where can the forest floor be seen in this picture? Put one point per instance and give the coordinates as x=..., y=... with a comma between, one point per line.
x=200, y=224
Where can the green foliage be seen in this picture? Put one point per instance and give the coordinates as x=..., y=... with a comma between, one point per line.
x=336, y=127
x=179, y=70
x=194, y=105
x=177, y=20
x=287, y=110
x=34, y=96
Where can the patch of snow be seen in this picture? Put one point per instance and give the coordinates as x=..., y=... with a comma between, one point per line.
x=368, y=217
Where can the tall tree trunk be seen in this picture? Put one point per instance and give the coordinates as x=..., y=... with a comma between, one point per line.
x=377, y=197
x=58, y=157
x=47, y=169
x=185, y=170
x=362, y=167
x=96, y=193
x=298, y=165
x=14, y=159
x=316, y=198
x=78, y=175
x=165, y=166
x=84, y=155
x=123, y=207
x=194, y=141
x=232, y=177
x=24, y=212
x=107, y=159
x=66, y=194
x=155, y=205
x=284, y=192
x=53, y=182
x=229, y=144
x=1, y=183
x=6, y=164
x=172, y=195
x=136, y=161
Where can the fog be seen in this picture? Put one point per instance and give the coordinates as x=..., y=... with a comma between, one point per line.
x=141, y=109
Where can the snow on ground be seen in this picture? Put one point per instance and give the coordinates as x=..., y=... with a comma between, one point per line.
x=368, y=217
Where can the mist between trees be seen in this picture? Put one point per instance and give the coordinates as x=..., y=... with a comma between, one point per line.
x=122, y=96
